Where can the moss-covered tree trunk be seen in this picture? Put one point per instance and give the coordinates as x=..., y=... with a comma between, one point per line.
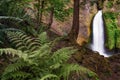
x=75, y=26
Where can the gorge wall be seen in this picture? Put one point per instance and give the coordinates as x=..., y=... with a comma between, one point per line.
x=87, y=11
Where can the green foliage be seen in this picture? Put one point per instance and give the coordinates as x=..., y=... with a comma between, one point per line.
x=10, y=18
x=21, y=40
x=31, y=56
x=13, y=13
x=50, y=76
x=41, y=64
x=43, y=38
x=18, y=23
x=109, y=4
x=11, y=22
x=15, y=22
x=13, y=8
x=112, y=30
x=9, y=30
x=60, y=13
x=117, y=37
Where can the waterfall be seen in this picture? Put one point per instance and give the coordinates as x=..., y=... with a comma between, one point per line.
x=98, y=34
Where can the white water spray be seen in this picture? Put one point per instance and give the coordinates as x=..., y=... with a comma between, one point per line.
x=98, y=34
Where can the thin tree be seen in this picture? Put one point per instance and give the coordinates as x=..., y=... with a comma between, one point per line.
x=39, y=7
x=51, y=17
x=75, y=26
x=41, y=11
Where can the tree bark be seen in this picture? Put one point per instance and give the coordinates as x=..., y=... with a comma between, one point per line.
x=40, y=8
x=75, y=26
x=38, y=13
x=51, y=17
x=41, y=13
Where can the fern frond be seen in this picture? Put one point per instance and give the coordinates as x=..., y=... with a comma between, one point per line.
x=41, y=52
x=81, y=71
x=14, y=67
x=50, y=76
x=43, y=38
x=18, y=53
x=22, y=41
x=11, y=29
x=62, y=55
x=11, y=22
x=11, y=51
x=67, y=69
x=9, y=18
x=18, y=75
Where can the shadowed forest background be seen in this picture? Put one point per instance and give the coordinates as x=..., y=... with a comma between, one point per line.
x=48, y=40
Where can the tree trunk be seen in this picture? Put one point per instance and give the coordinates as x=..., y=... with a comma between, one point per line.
x=75, y=26
x=40, y=8
x=51, y=17
x=38, y=13
x=41, y=13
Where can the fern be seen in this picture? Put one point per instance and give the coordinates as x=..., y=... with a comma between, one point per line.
x=9, y=18
x=81, y=71
x=49, y=76
x=10, y=51
x=62, y=55
x=10, y=22
x=14, y=69
x=43, y=38
x=22, y=41
x=20, y=62
x=35, y=60
x=16, y=75
x=41, y=64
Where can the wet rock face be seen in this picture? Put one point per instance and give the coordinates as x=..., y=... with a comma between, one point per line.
x=87, y=10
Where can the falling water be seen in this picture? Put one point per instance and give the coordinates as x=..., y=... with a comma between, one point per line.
x=98, y=34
